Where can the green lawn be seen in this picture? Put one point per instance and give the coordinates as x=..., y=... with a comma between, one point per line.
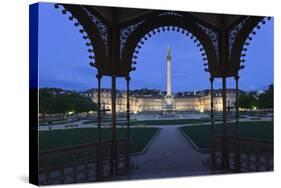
x=159, y=122
x=169, y=122
x=256, y=129
x=95, y=121
x=68, y=137
x=173, y=121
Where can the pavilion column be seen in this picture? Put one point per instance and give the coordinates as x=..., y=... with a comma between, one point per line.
x=225, y=161
x=99, y=107
x=113, y=161
x=212, y=141
x=224, y=61
x=128, y=155
x=237, y=128
x=98, y=153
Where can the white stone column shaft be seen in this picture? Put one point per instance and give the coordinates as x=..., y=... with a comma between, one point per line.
x=169, y=84
x=169, y=92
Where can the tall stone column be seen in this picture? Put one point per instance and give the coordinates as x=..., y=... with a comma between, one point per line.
x=168, y=102
x=169, y=86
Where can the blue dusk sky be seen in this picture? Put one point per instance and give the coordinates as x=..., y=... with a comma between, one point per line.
x=64, y=62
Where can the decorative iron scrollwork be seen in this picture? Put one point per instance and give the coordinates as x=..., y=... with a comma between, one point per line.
x=170, y=13
x=213, y=35
x=233, y=33
x=125, y=33
x=127, y=30
x=102, y=27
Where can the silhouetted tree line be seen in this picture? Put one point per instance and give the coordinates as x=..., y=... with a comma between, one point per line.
x=58, y=101
x=262, y=101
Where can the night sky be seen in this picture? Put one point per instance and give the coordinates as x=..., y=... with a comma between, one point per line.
x=64, y=62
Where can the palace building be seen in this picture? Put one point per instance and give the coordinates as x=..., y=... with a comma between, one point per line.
x=199, y=101
x=157, y=101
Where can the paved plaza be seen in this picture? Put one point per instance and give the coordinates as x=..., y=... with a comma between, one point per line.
x=170, y=154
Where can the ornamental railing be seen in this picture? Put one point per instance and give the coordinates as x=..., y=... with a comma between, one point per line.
x=82, y=163
x=244, y=154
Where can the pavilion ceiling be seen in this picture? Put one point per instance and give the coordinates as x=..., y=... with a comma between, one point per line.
x=114, y=35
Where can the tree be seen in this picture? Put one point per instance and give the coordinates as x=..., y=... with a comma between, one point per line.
x=57, y=101
x=62, y=105
x=270, y=96
x=265, y=100
x=247, y=101
x=46, y=102
x=80, y=103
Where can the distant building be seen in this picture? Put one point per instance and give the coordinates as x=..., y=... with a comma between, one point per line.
x=141, y=101
x=145, y=100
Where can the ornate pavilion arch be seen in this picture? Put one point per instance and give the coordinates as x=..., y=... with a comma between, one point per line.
x=116, y=33
x=226, y=36
x=240, y=37
x=133, y=35
x=94, y=30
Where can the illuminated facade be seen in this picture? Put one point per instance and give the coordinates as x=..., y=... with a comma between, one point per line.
x=199, y=101
x=151, y=101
